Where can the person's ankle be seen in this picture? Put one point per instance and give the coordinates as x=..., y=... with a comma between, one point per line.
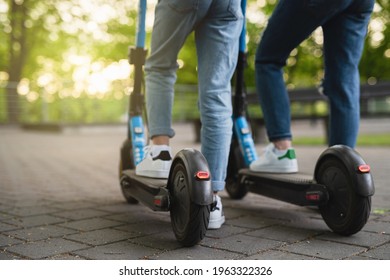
x=160, y=140
x=282, y=145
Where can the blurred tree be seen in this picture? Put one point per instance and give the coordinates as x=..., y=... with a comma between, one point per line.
x=305, y=65
x=62, y=43
x=40, y=36
x=17, y=54
x=24, y=32
x=375, y=63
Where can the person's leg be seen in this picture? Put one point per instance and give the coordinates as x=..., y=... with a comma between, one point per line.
x=217, y=48
x=343, y=45
x=291, y=23
x=288, y=26
x=174, y=21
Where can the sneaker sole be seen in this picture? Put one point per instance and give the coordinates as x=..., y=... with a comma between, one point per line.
x=216, y=224
x=272, y=170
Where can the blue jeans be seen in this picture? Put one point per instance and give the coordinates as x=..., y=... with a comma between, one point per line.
x=344, y=25
x=217, y=25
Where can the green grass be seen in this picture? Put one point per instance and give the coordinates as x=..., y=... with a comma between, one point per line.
x=363, y=140
x=381, y=211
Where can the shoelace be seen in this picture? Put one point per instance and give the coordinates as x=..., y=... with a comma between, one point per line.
x=214, y=206
x=147, y=150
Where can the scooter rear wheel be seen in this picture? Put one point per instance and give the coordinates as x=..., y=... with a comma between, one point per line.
x=346, y=211
x=189, y=220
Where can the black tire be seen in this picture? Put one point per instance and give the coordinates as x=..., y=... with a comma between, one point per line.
x=346, y=211
x=126, y=162
x=189, y=220
x=236, y=162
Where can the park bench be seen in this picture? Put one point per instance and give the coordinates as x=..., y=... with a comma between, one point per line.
x=305, y=102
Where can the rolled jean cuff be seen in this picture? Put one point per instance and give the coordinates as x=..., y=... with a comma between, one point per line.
x=217, y=186
x=280, y=137
x=161, y=131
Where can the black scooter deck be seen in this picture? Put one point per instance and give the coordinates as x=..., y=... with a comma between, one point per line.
x=152, y=192
x=298, y=188
x=150, y=182
x=297, y=179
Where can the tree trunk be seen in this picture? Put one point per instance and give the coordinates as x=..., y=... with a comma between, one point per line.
x=17, y=56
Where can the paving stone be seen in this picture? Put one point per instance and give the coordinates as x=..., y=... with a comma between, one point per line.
x=4, y=255
x=234, y=212
x=65, y=257
x=278, y=255
x=73, y=204
x=46, y=248
x=147, y=227
x=90, y=224
x=380, y=253
x=311, y=223
x=140, y=215
x=324, y=249
x=282, y=233
x=31, y=211
x=80, y=214
x=284, y=213
x=360, y=257
x=29, y=199
x=127, y=218
x=226, y=230
x=5, y=216
x=33, y=221
x=163, y=240
x=4, y=207
x=8, y=241
x=197, y=253
x=74, y=209
x=119, y=206
x=41, y=232
x=377, y=226
x=99, y=237
x=362, y=238
x=4, y=227
x=123, y=250
x=242, y=244
x=385, y=218
x=251, y=222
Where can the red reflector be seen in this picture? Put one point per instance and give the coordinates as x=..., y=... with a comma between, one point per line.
x=202, y=175
x=313, y=196
x=157, y=202
x=364, y=168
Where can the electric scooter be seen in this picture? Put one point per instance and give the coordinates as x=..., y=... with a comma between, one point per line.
x=187, y=192
x=342, y=185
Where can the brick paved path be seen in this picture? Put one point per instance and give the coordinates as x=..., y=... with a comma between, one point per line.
x=60, y=199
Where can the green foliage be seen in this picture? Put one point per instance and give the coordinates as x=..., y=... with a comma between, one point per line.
x=382, y=140
x=69, y=40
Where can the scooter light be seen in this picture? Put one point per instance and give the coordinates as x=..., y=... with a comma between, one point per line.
x=313, y=196
x=364, y=168
x=202, y=175
x=157, y=202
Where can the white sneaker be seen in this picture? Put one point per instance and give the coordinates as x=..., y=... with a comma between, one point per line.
x=275, y=161
x=217, y=217
x=156, y=163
